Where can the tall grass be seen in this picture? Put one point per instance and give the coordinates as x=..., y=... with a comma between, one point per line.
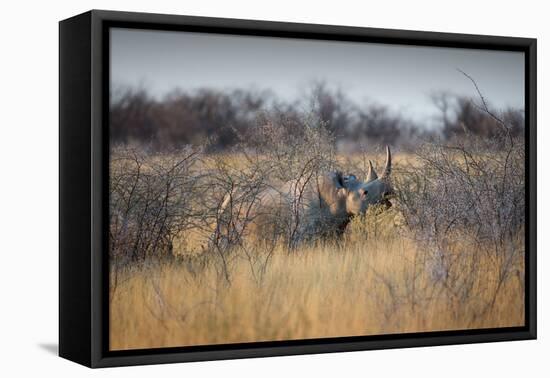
x=365, y=284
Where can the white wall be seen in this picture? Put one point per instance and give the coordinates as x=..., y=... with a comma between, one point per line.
x=28, y=197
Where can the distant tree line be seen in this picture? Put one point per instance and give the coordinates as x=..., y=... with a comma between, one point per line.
x=221, y=119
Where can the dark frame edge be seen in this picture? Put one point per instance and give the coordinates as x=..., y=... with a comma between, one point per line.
x=531, y=190
x=322, y=31
x=281, y=351
x=75, y=333
x=99, y=165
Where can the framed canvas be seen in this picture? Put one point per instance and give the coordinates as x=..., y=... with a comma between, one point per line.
x=234, y=188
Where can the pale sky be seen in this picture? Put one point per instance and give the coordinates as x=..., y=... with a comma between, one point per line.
x=401, y=77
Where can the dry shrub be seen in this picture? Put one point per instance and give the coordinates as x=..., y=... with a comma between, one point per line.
x=152, y=200
x=469, y=193
x=277, y=160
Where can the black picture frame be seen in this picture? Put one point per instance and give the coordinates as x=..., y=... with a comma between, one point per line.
x=83, y=178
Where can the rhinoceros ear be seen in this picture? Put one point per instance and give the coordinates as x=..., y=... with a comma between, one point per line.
x=338, y=179
x=387, y=169
x=371, y=175
x=332, y=185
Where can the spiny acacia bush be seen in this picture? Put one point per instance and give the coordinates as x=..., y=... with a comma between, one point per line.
x=276, y=158
x=466, y=198
x=156, y=198
x=152, y=198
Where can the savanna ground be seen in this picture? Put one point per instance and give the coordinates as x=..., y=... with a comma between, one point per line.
x=448, y=255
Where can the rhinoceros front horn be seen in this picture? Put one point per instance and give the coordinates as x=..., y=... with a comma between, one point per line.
x=371, y=174
x=387, y=169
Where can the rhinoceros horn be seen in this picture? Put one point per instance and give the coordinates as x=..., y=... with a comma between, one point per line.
x=387, y=169
x=371, y=174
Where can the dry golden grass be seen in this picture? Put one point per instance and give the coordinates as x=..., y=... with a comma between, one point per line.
x=370, y=283
x=377, y=280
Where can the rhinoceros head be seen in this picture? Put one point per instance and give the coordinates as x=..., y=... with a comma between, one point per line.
x=374, y=190
x=347, y=196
